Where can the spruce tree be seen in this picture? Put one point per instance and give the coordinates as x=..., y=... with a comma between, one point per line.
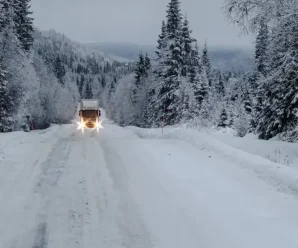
x=161, y=53
x=223, y=121
x=161, y=42
x=207, y=64
x=89, y=92
x=139, y=71
x=261, y=70
x=220, y=87
x=155, y=106
x=168, y=96
x=280, y=109
x=147, y=65
x=5, y=104
x=186, y=42
x=248, y=108
x=174, y=20
x=24, y=23
x=261, y=51
x=7, y=12
x=81, y=85
x=198, y=80
x=59, y=69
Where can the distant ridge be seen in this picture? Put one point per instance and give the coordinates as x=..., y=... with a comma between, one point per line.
x=221, y=57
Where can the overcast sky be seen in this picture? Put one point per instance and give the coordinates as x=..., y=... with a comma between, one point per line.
x=135, y=21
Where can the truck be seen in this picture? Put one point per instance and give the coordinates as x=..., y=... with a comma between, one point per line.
x=89, y=113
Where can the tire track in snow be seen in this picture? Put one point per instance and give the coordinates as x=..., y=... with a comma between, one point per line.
x=130, y=223
x=52, y=170
x=41, y=236
x=53, y=167
x=21, y=200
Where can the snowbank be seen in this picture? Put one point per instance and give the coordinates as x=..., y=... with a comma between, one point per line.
x=276, y=151
x=248, y=153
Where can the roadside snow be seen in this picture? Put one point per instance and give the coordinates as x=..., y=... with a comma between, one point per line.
x=276, y=151
x=247, y=153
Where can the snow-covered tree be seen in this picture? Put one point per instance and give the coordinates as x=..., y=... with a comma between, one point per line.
x=147, y=65
x=261, y=53
x=223, y=119
x=198, y=81
x=24, y=23
x=161, y=52
x=59, y=69
x=140, y=68
x=169, y=89
x=219, y=87
x=207, y=64
x=241, y=122
x=89, y=91
x=186, y=42
x=278, y=86
x=5, y=104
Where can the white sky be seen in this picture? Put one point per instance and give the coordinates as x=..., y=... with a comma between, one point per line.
x=136, y=21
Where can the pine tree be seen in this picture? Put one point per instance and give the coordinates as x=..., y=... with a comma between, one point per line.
x=186, y=42
x=198, y=80
x=147, y=65
x=112, y=88
x=161, y=53
x=24, y=23
x=223, y=121
x=5, y=104
x=242, y=122
x=220, y=87
x=141, y=73
x=207, y=64
x=81, y=85
x=248, y=109
x=59, y=69
x=162, y=44
x=89, y=92
x=261, y=52
x=261, y=70
x=140, y=68
x=174, y=20
x=280, y=88
x=169, y=90
x=7, y=12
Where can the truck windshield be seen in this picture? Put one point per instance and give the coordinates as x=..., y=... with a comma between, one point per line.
x=89, y=113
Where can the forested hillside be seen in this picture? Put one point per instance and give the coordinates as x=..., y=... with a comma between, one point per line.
x=182, y=87
x=44, y=74
x=273, y=86
x=221, y=57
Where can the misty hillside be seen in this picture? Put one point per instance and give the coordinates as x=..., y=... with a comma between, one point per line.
x=221, y=58
x=128, y=51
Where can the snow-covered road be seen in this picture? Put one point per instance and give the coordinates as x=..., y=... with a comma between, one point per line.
x=62, y=189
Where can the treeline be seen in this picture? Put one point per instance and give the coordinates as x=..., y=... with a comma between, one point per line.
x=272, y=88
x=174, y=88
x=43, y=74
x=88, y=72
x=181, y=86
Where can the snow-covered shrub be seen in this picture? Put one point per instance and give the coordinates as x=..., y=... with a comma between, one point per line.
x=241, y=125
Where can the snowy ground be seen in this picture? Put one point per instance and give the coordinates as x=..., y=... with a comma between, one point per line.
x=128, y=187
x=276, y=151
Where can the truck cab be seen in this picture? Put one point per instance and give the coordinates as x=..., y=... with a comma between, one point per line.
x=89, y=113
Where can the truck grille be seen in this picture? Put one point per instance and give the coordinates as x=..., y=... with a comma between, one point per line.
x=89, y=122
